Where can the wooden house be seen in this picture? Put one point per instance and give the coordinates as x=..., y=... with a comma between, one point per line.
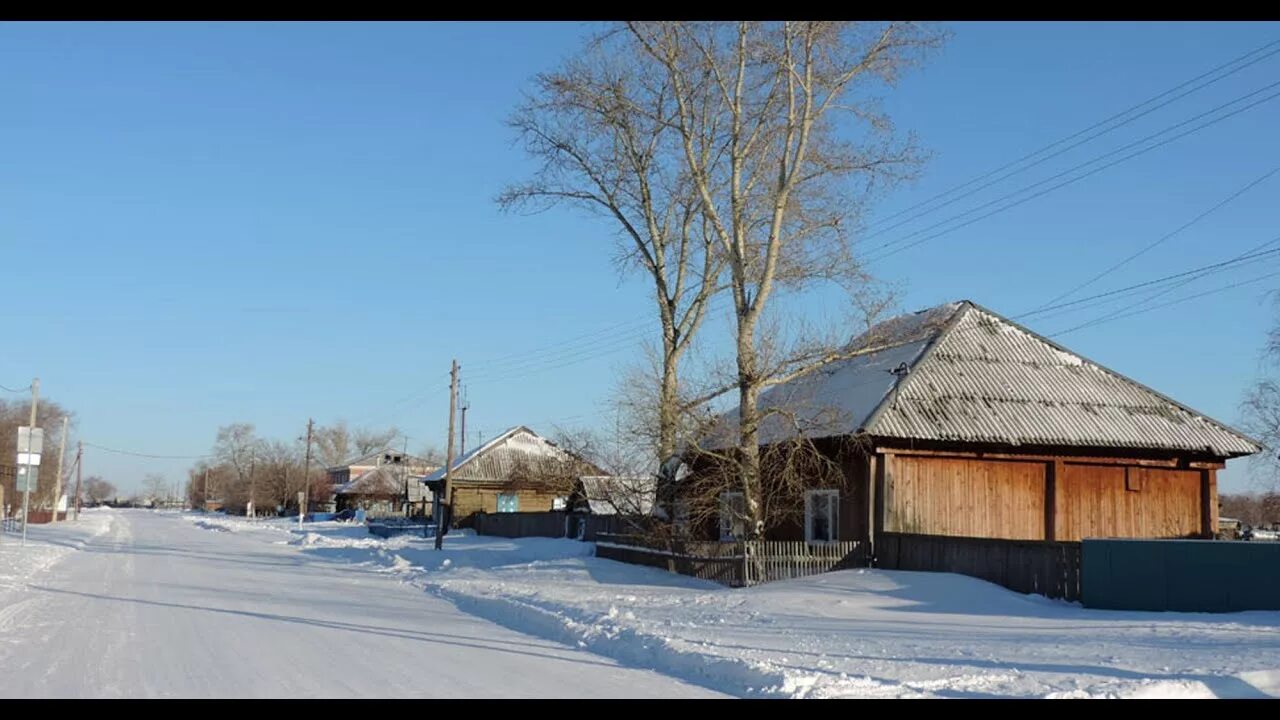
x=517, y=471
x=955, y=421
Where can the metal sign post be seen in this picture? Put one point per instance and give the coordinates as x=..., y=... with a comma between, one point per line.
x=30, y=444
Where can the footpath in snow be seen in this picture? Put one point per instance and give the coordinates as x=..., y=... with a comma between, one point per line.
x=46, y=545
x=853, y=633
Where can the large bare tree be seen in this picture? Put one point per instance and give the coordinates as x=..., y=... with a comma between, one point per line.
x=602, y=127
x=783, y=143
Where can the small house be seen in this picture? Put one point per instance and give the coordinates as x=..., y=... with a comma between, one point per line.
x=517, y=471
x=386, y=481
x=957, y=422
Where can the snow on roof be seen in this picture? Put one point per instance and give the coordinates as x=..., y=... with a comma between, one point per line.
x=608, y=495
x=965, y=374
x=382, y=480
x=497, y=459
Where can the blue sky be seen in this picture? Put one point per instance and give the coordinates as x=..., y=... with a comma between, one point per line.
x=208, y=223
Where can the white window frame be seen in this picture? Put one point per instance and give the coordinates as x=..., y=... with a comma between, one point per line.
x=560, y=502
x=728, y=518
x=833, y=515
x=508, y=495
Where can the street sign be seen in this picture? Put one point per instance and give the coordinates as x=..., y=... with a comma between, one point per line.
x=27, y=478
x=31, y=442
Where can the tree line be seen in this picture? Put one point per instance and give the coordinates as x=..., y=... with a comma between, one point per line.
x=245, y=470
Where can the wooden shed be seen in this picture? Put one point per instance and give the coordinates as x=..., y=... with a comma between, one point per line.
x=957, y=422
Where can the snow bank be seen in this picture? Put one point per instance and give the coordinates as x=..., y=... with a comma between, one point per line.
x=46, y=545
x=854, y=633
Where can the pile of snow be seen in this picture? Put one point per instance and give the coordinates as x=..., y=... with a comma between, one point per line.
x=853, y=633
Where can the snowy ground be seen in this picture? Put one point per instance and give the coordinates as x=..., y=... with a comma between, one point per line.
x=853, y=633
x=146, y=604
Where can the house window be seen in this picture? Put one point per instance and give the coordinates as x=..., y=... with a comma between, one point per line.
x=733, y=510
x=508, y=502
x=560, y=503
x=822, y=516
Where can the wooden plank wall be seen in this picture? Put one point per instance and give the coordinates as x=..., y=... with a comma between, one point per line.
x=470, y=500
x=1128, y=501
x=965, y=498
x=1052, y=569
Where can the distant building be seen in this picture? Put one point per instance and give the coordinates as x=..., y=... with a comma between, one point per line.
x=386, y=481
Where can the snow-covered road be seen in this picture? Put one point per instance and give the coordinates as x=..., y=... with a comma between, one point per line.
x=156, y=607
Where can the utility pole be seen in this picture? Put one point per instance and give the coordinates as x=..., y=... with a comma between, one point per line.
x=253, y=486
x=206, y=490
x=446, y=510
x=306, y=477
x=79, y=455
x=57, y=479
x=26, y=496
x=463, y=449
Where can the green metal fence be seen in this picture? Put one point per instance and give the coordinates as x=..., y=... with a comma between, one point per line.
x=1181, y=575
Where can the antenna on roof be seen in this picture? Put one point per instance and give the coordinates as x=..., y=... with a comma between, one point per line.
x=900, y=372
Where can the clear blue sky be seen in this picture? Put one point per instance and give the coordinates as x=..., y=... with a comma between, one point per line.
x=205, y=223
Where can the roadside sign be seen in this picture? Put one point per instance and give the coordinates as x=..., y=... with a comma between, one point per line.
x=31, y=442
x=27, y=478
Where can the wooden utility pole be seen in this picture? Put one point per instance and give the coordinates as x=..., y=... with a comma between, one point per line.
x=253, y=487
x=57, y=479
x=26, y=496
x=206, y=490
x=446, y=509
x=306, y=477
x=462, y=449
x=79, y=456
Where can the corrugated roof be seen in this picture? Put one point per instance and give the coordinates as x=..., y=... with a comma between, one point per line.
x=517, y=449
x=974, y=376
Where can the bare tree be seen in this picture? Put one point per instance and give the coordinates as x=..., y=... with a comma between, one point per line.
x=155, y=486
x=49, y=416
x=336, y=443
x=1261, y=413
x=784, y=146
x=332, y=444
x=98, y=490
x=602, y=127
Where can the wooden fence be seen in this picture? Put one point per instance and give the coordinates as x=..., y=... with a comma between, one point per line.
x=735, y=564
x=1052, y=569
x=555, y=524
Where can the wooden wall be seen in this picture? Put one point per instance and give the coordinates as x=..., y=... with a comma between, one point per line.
x=1044, y=498
x=1127, y=501
x=967, y=498
x=470, y=500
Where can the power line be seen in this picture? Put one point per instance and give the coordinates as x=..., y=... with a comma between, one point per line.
x=1167, y=236
x=1122, y=312
x=1115, y=316
x=1166, y=141
x=147, y=455
x=9, y=389
x=1196, y=272
x=1072, y=137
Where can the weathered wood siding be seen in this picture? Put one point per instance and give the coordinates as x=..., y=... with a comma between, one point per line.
x=965, y=498
x=469, y=500
x=1128, y=502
